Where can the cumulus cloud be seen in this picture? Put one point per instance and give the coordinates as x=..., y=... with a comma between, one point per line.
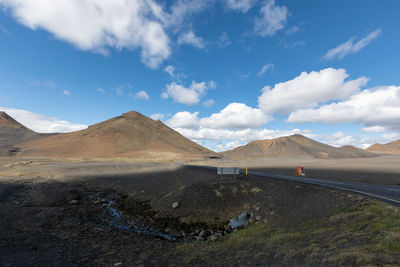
x=234, y=125
x=66, y=92
x=235, y=116
x=308, y=90
x=188, y=96
x=240, y=5
x=265, y=68
x=99, y=25
x=351, y=47
x=42, y=123
x=273, y=18
x=340, y=139
x=374, y=129
x=184, y=119
x=378, y=106
x=191, y=39
x=157, y=116
x=100, y=89
x=141, y=95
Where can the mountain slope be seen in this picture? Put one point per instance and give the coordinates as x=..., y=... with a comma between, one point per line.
x=129, y=135
x=389, y=148
x=12, y=133
x=294, y=145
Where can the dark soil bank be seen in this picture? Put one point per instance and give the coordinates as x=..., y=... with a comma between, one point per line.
x=73, y=223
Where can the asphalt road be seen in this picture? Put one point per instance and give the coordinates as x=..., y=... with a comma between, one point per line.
x=389, y=194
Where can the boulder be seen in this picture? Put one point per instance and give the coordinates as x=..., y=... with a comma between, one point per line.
x=175, y=205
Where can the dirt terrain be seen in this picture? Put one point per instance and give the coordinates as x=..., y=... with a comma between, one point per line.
x=389, y=148
x=60, y=212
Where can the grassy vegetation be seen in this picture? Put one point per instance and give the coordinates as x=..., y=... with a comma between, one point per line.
x=366, y=233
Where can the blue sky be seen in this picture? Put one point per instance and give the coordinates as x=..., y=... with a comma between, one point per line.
x=222, y=73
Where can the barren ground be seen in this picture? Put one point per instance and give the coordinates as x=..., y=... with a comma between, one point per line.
x=55, y=212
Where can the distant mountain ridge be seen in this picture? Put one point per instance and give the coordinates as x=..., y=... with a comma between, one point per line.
x=7, y=121
x=12, y=133
x=294, y=145
x=388, y=148
x=129, y=135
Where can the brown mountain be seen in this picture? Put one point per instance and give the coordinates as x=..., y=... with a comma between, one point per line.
x=389, y=148
x=294, y=145
x=129, y=135
x=12, y=132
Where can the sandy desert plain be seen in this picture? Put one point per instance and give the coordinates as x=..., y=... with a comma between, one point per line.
x=105, y=196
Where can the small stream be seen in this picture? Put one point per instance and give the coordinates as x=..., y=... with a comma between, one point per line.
x=137, y=227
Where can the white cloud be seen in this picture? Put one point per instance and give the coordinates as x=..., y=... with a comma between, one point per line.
x=236, y=124
x=378, y=106
x=390, y=136
x=98, y=26
x=273, y=18
x=351, y=47
x=191, y=39
x=240, y=5
x=340, y=139
x=183, y=95
x=223, y=40
x=308, y=90
x=208, y=103
x=51, y=84
x=173, y=74
x=170, y=70
x=367, y=141
x=119, y=90
x=235, y=116
x=265, y=68
x=181, y=10
x=42, y=123
x=224, y=146
x=212, y=84
x=184, y=119
x=35, y=82
x=157, y=116
x=292, y=30
x=66, y=92
x=4, y=30
x=100, y=89
x=141, y=95
x=374, y=129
